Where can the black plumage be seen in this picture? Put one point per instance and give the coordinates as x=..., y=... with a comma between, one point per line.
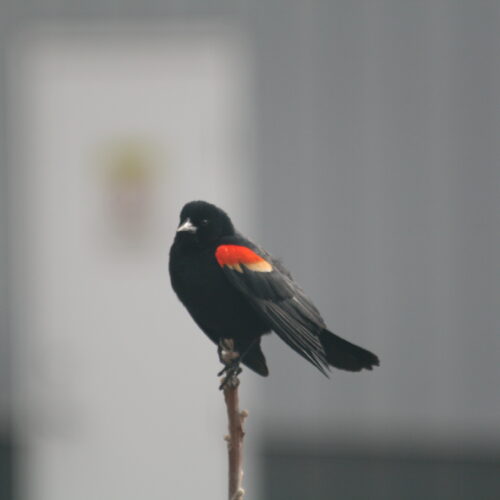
x=233, y=289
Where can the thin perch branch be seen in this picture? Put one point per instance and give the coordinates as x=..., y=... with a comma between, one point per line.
x=236, y=419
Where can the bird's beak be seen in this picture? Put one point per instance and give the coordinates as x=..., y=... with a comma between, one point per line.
x=188, y=226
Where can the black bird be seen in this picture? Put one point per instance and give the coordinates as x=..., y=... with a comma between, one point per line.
x=235, y=290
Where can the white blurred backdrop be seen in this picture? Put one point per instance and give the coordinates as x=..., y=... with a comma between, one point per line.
x=115, y=388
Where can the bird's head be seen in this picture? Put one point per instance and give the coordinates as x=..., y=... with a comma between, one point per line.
x=202, y=223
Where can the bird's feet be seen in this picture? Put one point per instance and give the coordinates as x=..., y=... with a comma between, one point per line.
x=230, y=378
x=231, y=361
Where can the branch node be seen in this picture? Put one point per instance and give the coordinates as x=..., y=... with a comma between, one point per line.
x=238, y=495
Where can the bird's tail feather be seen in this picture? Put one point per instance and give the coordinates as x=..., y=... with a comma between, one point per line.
x=342, y=354
x=253, y=357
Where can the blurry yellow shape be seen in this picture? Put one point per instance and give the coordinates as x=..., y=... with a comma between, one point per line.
x=129, y=161
x=129, y=167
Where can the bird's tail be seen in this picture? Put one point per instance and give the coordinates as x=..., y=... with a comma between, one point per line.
x=253, y=357
x=346, y=356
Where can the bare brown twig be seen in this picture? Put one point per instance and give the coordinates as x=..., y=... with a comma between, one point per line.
x=236, y=419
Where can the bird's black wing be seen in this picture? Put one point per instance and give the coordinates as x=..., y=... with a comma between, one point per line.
x=274, y=294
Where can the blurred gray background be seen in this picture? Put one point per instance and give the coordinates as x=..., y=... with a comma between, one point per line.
x=373, y=131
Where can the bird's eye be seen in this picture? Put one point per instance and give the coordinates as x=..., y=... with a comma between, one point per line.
x=204, y=222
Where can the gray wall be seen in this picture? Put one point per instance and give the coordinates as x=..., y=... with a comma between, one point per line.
x=379, y=141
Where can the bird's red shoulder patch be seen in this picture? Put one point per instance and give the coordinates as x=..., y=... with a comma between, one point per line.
x=234, y=256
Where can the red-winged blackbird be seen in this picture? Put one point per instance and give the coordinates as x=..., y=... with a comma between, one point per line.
x=235, y=290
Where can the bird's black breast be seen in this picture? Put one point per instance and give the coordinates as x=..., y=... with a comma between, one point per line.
x=217, y=307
